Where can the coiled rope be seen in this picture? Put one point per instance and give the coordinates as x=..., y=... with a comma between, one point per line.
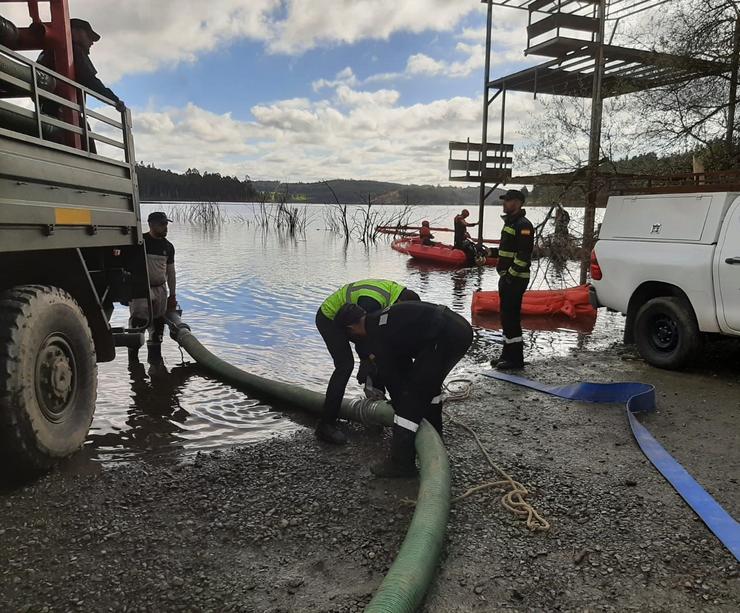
x=515, y=495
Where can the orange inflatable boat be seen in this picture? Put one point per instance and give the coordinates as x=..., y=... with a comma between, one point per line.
x=571, y=302
x=440, y=254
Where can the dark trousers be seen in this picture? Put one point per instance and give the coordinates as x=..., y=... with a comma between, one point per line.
x=339, y=348
x=511, y=290
x=418, y=396
x=341, y=353
x=156, y=329
x=469, y=248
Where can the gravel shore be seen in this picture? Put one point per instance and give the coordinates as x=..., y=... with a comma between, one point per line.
x=290, y=524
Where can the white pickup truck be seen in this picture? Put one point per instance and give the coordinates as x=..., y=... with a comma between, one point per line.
x=671, y=264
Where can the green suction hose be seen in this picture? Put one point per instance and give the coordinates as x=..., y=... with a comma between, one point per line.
x=413, y=570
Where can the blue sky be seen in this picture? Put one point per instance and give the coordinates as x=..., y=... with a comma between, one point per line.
x=241, y=74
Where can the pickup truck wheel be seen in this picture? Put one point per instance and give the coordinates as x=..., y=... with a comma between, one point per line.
x=666, y=332
x=48, y=379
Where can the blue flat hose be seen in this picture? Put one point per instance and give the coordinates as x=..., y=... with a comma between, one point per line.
x=412, y=572
x=640, y=397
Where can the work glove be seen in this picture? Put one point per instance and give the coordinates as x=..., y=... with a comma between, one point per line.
x=172, y=303
x=120, y=106
x=371, y=392
x=367, y=368
x=507, y=279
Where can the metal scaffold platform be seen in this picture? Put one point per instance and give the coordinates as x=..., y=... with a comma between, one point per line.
x=582, y=64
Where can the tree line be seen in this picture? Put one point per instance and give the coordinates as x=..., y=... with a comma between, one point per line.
x=158, y=184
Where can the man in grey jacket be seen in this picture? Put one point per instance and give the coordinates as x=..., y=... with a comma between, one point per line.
x=160, y=264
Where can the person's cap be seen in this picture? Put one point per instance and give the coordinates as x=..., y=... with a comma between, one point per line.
x=513, y=194
x=82, y=24
x=349, y=314
x=425, y=223
x=158, y=217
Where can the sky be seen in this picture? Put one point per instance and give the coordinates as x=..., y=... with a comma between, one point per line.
x=304, y=90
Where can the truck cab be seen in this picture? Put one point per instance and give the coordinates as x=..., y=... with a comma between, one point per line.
x=671, y=264
x=70, y=244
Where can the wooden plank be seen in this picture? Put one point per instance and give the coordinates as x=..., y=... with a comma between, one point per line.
x=465, y=146
x=563, y=21
x=475, y=165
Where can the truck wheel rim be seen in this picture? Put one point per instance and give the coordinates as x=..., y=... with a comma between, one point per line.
x=56, y=377
x=664, y=333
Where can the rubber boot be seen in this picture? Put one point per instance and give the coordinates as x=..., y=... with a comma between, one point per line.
x=402, y=461
x=154, y=353
x=512, y=357
x=133, y=355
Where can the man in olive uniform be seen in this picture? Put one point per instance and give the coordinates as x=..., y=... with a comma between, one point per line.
x=514, y=262
x=160, y=264
x=372, y=295
x=416, y=345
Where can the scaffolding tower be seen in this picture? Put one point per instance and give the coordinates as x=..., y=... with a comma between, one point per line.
x=572, y=33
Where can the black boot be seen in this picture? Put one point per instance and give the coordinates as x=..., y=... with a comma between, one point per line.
x=328, y=432
x=402, y=462
x=512, y=357
x=133, y=355
x=154, y=353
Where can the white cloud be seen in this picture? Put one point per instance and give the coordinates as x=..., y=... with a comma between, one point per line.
x=509, y=41
x=354, y=134
x=311, y=23
x=145, y=35
x=344, y=77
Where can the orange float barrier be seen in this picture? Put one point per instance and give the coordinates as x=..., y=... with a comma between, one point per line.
x=571, y=302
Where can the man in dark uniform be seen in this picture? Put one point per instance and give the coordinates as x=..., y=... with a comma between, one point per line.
x=160, y=264
x=371, y=295
x=514, y=261
x=416, y=345
x=83, y=38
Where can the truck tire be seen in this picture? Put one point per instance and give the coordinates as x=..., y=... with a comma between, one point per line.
x=666, y=332
x=48, y=379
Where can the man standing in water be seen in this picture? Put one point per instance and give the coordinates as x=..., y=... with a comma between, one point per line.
x=416, y=345
x=514, y=261
x=462, y=238
x=160, y=264
x=372, y=295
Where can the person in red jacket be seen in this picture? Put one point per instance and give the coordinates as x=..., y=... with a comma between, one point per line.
x=425, y=234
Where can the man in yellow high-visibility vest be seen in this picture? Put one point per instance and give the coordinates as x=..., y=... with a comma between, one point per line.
x=372, y=295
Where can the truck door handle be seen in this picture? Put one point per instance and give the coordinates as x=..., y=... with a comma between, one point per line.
x=732, y=261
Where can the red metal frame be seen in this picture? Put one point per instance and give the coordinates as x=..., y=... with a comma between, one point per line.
x=54, y=36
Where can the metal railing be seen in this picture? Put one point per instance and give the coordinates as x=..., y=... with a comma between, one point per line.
x=69, y=129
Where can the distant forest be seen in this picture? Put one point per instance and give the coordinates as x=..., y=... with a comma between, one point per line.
x=156, y=184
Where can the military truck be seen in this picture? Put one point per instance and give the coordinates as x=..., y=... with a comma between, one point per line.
x=70, y=237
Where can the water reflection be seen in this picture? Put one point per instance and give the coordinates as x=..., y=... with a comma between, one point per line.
x=250, y=295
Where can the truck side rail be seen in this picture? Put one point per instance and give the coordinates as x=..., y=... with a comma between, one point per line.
x=21, y=77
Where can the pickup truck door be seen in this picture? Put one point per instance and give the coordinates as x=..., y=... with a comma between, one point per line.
x=728, y=265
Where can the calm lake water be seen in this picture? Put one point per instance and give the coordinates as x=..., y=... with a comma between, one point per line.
x=251, y=297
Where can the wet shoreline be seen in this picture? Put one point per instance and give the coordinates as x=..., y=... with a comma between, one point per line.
x=291, y=525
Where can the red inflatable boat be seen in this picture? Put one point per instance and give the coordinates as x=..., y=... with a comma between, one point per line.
x=440, y=254
x=571, y=302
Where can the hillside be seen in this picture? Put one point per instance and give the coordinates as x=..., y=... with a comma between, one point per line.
x=350, y=191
